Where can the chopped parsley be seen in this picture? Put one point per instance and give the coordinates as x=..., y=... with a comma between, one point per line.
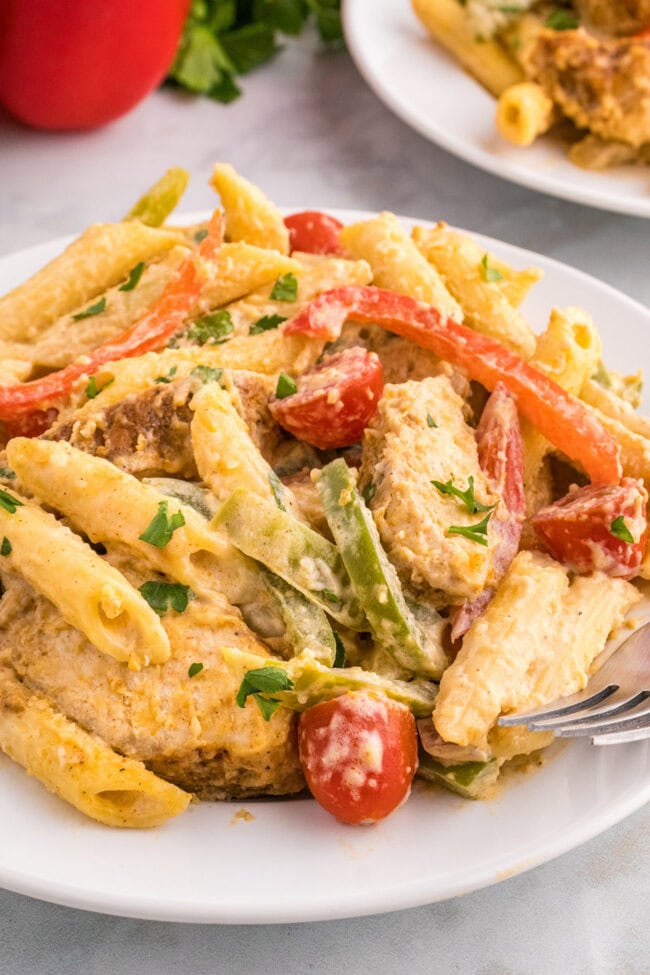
x=266, y=324
x=490, y=273
x=5, y=548
x=330, y=596
x=285, y=386
x=467, y=497
x=264, y=680
x=92, y=388
x=163, y=595
x=431, y=422
x=134, y=276
x=160, y=529
x=201, y=235
x=619, y=529
x=277, y=489
x=207, y=374
x=194, y=669
x=214, y=328
x=168, y=378
x=8, y=502
x=95, y=309
x=475, y=533
x=369, y=492
x=285, y=288
x=340, y=658
x=562, y=20
x=7, y=473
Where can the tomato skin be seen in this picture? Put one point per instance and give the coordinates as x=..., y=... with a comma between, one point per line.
x=314, y=232
x=335, y=400
x=82, y=63
x=359, y=754
x=576, y=529
x=29, y=424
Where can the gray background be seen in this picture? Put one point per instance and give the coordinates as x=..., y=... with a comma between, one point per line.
x=310, y=132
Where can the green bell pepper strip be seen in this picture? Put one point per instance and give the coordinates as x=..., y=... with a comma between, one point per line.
x=472, y=780
x=291, y=550
x=157, y=203
x=313, y=682
x=374, y=578
x=306, y=624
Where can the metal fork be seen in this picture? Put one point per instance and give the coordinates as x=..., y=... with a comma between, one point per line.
x=613, y=708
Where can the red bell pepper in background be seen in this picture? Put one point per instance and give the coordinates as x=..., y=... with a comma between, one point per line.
x=82, y=63
x=151, y=332
x=560, y=417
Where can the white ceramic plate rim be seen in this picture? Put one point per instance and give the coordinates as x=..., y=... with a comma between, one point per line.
x=388, y=87
x=313, y=903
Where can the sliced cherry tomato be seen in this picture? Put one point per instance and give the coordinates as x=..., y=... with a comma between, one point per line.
x=359, y=754
x=314, y=232
x=562, y=418
x=588, y=528
x=29, y=424
x=501, y=456
x=149, y=333
x=335, y=400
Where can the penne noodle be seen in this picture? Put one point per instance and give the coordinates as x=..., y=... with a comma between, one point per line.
x=250, y=215
x=524, y=111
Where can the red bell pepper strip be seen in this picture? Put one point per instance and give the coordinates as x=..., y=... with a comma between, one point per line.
x=151, y=332
x=560, y=417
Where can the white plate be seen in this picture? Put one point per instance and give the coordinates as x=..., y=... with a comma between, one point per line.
x=293, y=862
x=427, y=88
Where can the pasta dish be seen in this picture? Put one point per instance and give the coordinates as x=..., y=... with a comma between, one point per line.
x=581, y=67
x=286, y=504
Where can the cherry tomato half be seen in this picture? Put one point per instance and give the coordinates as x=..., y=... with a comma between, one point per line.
x=335, y=400
x=359, y=755
x=597, y=528
x=314, y=232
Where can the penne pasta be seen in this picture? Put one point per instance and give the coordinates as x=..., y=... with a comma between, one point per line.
x=524, y=111
x=250, y=215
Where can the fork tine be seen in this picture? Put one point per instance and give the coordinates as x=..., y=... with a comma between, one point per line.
x=621, y=737
x=572, y=704
x=615, y=707
x=637, y=718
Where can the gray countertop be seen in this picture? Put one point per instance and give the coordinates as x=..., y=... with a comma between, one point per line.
x=311, y=133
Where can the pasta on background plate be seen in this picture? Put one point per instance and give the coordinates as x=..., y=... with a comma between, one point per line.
x=255, y=468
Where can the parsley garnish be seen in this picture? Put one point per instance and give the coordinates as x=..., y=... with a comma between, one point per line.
x=134, y=276
x=207, y=374
x=201, y=235
x=7, y=473
x=95, y=309
x=5, y=548
x=285, y=387
x=619, y=529
x=8, y=502
x=194, y=669
x=168, y=378
x=340, y=658
x=266, y=323
x=92, y=389
x=160, y=529
x=490, y=273
x=214, y=328
x=431, y=422
x=264, y=680
x=562, y=20
x=369, y=492
x=330, y=596
x=163, y=595
x=467, y=497
x=285, y=288
x=277, y=489
x=475, y=533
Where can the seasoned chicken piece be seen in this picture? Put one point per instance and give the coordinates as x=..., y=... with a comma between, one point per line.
x=601, y=85
x=148, y=433
x=615, y=16
x=535, y=642
x=419, y=435
x=188, y=730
